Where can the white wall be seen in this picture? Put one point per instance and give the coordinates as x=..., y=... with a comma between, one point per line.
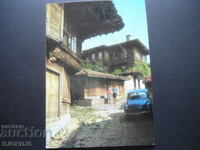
x=129, y=85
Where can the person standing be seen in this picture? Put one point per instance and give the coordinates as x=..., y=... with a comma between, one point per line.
x=115, y=94
x=109, y=93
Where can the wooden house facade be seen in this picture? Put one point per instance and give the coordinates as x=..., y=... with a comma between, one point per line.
x=121, y=56
x=67, y=26
x=90, y=87
x=117, y=56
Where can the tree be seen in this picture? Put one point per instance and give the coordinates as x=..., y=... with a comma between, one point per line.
x=96, y=66
x=142, y=67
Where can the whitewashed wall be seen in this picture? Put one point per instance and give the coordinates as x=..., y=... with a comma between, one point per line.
x=129, y=85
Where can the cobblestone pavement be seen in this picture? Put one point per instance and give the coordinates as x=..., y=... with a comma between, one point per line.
x=109, y=126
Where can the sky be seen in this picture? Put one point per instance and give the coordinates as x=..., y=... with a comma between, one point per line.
x=133, y=13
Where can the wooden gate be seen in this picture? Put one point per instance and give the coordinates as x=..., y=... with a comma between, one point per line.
x=52, y=95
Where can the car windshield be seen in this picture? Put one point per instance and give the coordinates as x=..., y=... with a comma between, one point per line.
x=140, y=95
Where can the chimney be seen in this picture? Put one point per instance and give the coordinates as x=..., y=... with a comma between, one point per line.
x=128, y=37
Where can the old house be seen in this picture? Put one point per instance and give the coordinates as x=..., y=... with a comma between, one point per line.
x=90, y=87
x=117, y=56
x=121, y=56
x=67, y=26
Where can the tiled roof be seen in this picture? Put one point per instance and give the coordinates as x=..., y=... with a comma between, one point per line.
x=91, y=73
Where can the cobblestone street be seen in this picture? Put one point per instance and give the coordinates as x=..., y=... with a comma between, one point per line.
x=107, y=126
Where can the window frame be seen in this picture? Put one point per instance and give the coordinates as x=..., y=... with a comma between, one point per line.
x=93, y=57
x=100, y=57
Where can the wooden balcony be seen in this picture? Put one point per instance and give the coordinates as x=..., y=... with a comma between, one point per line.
x=117, y=61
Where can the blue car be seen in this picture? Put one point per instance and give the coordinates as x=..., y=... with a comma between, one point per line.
x=137, y=101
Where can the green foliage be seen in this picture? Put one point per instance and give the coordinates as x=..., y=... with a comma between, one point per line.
x=117, y=72
x=96, y=66
x=139, y=66
x=142, y=67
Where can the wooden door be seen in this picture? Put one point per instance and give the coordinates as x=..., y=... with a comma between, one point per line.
x=52, y=95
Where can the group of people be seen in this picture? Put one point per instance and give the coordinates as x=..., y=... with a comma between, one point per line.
x=111, y=93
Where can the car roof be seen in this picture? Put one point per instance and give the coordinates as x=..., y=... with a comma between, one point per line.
x=136, y=91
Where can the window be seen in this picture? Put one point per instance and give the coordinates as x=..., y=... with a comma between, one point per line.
x=70, y=41
x=133, y=96
x=73, y=44
x=139, y=95
x=93, y=57
x=66, y=37
x=99, y=55
x=144, y=59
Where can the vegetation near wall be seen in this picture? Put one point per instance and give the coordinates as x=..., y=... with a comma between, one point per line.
x=142, y=67
x=138, y=66
x=96, y=66
x=117, y=72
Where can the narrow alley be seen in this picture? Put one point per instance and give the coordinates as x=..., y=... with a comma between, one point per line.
x=106, y=125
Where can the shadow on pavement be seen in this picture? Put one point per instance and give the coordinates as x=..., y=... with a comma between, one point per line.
x=120, y=130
